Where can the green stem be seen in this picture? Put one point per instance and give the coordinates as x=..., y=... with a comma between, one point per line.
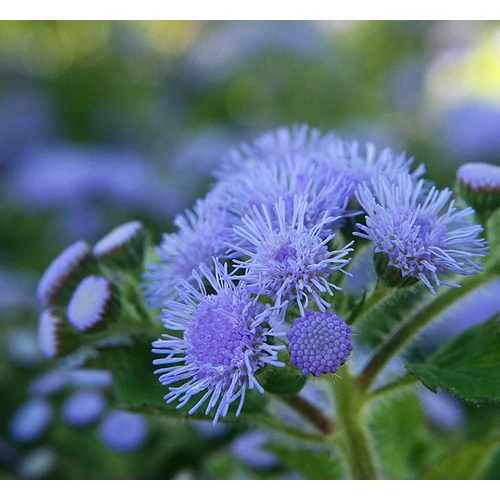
x=353, y=436
x=393, y=386
x=414, y=323
x=379, y=293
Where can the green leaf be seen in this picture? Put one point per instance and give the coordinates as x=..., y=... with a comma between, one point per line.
x=468, y=365
x=286, y=381
x=315, y=462
x=466, y=462
x=137, y=388
x=403, y=442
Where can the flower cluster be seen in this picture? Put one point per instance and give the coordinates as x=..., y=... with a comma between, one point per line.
x=270, y=245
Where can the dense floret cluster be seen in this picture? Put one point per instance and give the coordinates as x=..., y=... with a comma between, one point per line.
x=270, y=245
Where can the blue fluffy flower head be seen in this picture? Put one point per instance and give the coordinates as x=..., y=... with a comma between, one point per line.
x=224, y=344
x=421, y=234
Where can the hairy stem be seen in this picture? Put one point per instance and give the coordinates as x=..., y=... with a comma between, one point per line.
x=311, y=413
x=379, y=293
x=353, y=436
x=414, y=323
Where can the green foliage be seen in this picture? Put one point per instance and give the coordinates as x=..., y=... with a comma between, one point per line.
x=137, y=388
x=465, y=462
x=316, y=462
x=386, y=309
x=287, y=382
x=468, y=365
x=402, y=439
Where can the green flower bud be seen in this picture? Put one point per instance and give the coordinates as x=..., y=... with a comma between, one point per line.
x=55, y=337
x=61, y=278
x=124, y=247
x=479, y=185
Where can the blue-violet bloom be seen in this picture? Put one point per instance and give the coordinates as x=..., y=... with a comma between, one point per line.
x=423, y=234
x=225, y=342
x=288, y=261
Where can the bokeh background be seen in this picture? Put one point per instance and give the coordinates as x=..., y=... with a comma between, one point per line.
x=102, y=122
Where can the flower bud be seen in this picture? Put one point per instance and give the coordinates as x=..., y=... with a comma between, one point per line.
x=319, y=342
x=94, y=305
x=124, y=247
x=55, y=337
x=479, y=185
x=64, y=273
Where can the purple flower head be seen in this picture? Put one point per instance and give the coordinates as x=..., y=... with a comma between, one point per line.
x=288, y=261
x=325, y=191
x=201, y=236
x=300, y=140
x=358, y=166
x=319, y=342
x=223, y=346
x=422, y=234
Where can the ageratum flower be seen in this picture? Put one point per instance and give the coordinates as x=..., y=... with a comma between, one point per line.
x=201, y=236
x=288, y=261
x=325, y=191
x=421, y=234
x=224, y=344
x=299, y=140
x=357, y=165
x=319, y=342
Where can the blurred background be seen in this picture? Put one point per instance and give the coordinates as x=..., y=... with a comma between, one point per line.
x=102, y=122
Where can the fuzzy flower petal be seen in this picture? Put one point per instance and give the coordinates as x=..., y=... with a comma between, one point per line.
x=299, y=140
x=422, y=234
x=288, y=261
x=201, y=235
x=223, y=346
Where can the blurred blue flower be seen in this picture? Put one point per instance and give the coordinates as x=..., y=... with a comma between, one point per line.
x=250, y=448
x=471, y=131
x=422, y=234
x=31, y=420
x=231, y=45
x=475, y=308
x=123, y=432
x=86, y=180
x=83, y=407
x=202, y=234
x=223, y=346
x=37, y=463
x=442, y=410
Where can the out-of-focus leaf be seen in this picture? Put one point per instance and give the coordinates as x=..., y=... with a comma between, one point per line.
x=390, y=312
x=311, y=463
x=468, y=365
x=466, y=462
x=402, y=440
